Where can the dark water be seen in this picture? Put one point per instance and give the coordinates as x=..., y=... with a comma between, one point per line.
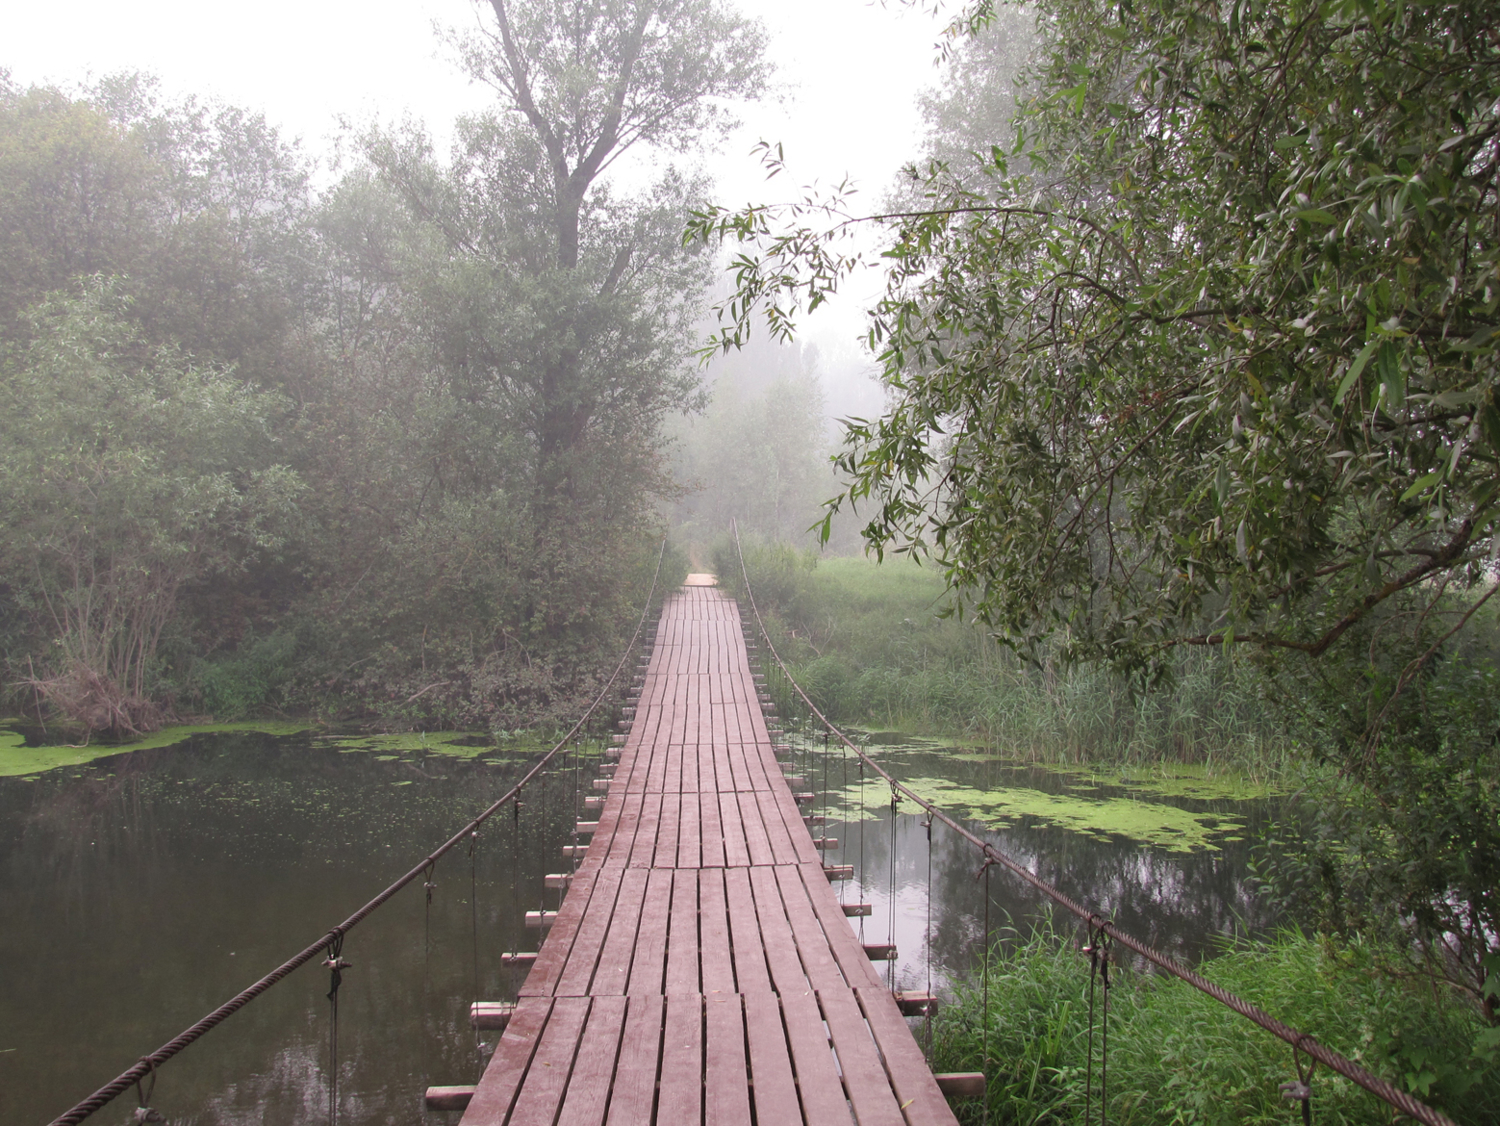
x=140, y=891
x=929, y=897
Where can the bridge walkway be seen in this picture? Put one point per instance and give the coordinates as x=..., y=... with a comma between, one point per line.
x=700, y=968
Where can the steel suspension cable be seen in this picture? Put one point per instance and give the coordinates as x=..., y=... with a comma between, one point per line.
x=334, y=938
x=1301, y=1041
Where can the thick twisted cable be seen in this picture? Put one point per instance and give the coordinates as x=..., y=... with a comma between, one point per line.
x=127, y=1078
x=1378, y=1087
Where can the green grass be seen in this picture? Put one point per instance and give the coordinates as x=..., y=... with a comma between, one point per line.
x=868, y=643
x=1177, y=1056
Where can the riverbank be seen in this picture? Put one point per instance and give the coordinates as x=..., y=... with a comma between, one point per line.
x=879, y=646
x=1176, y=1055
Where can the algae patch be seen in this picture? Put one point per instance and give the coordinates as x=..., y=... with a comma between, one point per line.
x=17, y=759
x=459, y=744
x=1102, y=818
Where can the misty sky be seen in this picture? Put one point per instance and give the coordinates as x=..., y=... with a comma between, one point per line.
x=850, y=71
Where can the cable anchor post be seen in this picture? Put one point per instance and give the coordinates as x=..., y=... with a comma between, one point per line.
x=1300, y=1090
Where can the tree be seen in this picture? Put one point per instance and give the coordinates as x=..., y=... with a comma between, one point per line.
x=974, y=107
x=759, y=452
x=126, y=474
x=1208, y=358
x=198, y=208
x=590, y=83
x=1218, y=367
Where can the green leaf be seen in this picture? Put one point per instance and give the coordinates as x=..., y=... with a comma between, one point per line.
x=1354, y=369
x=1421, y=484
x=1489, y=425
x=1476, y=341
x=1392, y=375
x=1316, y=215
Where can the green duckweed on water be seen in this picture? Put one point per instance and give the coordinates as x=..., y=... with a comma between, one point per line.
x=17, y=759
x=389, y=745
x=1103, y=818
x=1160, y=807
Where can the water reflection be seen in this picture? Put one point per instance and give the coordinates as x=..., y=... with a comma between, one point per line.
x=1185, y=901
x=142, y=890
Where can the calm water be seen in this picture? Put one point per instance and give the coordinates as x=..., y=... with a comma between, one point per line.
x=140, y=891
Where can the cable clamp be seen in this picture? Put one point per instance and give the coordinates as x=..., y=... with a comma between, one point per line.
x=143, y=1112
x=1300, y=1090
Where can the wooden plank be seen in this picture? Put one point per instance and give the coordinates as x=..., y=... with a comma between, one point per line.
x=802, y=848
x=554, y=953
x=689, y=832
x=846, y=948
x=448, y=1098
x=644, y=850
x=594, y=1070
x=736, y=852
x=777, y=832
x=812, y=945
x=781, y=945
x=865, y=1080
x=669, y=830
x=496, y=1091
x=744, y=929
x=612, y=973
x=634, y=1096
x=916, y=1091
x=757, y=843
x=726, y=1076
x=817, y=1078
x=961, y=1084
x=650, y=955
x=682, y=936
x=774, y=1087
x=717, y=965
x=541, y=1095
x=681, y=1095
x=577, y=973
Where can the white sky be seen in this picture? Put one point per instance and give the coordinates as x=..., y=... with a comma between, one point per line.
x=850, y=70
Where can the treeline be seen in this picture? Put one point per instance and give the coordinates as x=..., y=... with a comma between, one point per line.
x=393, y=447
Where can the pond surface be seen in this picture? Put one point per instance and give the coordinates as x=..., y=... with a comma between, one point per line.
x=143, y=889
x=1164, y=853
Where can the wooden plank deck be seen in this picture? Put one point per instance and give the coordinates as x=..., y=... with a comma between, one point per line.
x=700, y=969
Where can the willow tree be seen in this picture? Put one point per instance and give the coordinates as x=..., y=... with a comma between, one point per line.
x=1208, y=358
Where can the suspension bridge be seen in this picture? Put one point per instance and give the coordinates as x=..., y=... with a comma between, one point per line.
x=700, y=968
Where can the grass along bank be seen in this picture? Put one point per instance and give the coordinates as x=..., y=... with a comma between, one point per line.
x=1177, y=1056
x=868, y=644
